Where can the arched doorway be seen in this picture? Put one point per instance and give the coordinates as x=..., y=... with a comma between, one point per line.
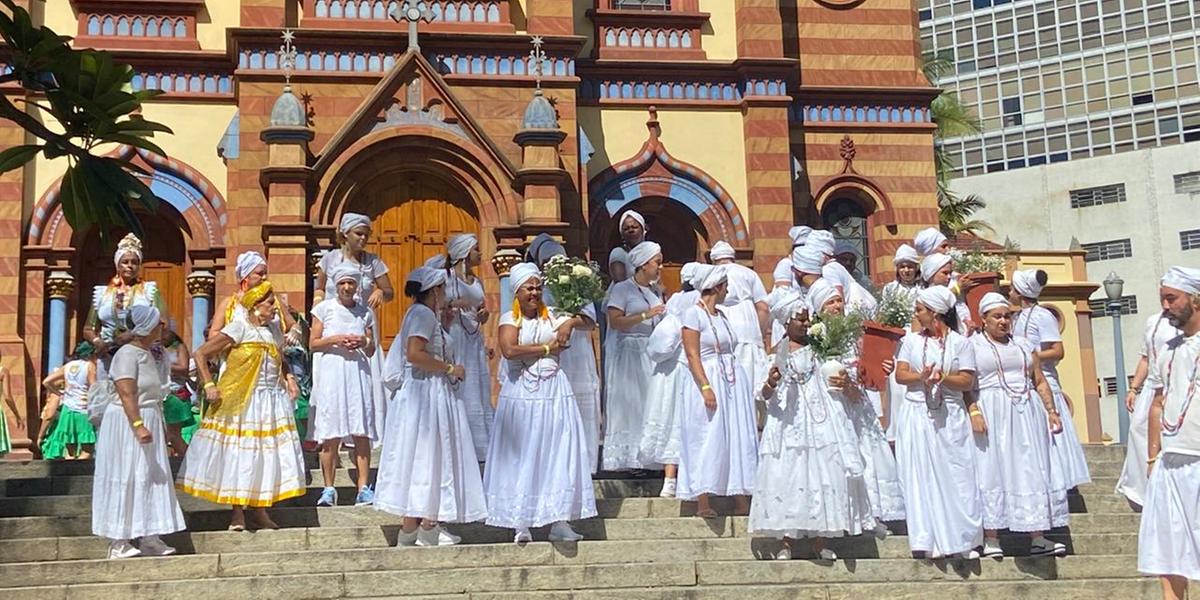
x=847, y=221
x=414, y=213
x=672, y=225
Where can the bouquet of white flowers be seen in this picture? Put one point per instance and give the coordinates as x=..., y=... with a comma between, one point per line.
x=833, y=336
x=573, y=282
x=975, y=261
x=896, y=308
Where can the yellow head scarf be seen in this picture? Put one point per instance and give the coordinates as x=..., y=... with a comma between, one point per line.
x=256, y=294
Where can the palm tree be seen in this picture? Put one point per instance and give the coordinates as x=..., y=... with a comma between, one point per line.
x=953, y=119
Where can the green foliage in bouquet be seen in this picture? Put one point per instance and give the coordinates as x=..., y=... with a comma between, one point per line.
x=832, y=336
x=573, y=283
x=975, y=261
x=895, y=308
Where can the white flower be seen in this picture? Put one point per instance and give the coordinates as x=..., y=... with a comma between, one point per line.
x=564, y=279
x=818, y=329
x=581, y=271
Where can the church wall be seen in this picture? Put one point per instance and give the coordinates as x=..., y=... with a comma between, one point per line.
x=720, y=35
x=882, y=52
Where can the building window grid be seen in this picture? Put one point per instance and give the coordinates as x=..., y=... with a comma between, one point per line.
x=1100, y=306
x=1108, y=250
x=1189, y=240
x=1187, y=183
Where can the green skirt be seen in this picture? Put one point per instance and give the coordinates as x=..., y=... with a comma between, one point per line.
x=302, y=415
x=190, y=430
x=71, y=431
x=5, y=441
x=177, y=412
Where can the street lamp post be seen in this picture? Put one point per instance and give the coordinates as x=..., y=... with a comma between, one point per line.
x=1113, y=286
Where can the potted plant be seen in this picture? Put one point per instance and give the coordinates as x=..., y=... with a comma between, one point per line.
x=882, y=335
x=979, y=273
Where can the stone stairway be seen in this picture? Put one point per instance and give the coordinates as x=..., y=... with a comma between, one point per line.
x=640, y=546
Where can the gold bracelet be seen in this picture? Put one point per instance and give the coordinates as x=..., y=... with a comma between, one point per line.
x=546, y=349
x=643, y=316
x=208, y=385
x=449, y=369
x=1152, y=460
x=137, y=423
x=975, y=412
x=705, y=387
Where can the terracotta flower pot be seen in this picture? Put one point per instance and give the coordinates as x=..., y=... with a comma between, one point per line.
x=879, y=344
x=978, y=284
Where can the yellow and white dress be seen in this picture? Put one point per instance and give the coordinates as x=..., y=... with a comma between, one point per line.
x=247, y=450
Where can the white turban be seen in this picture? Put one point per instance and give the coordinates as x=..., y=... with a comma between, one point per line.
x=799, y=234
x=845, y=247
x=522, y=272
x=130, y=244
x=711, y=278
x=437, y=261
x=906, y=253
x=636, y=216
x=352, y=220
x=144, y=318
x=1184, y=279
x=688, y=272
x=722, y=250
x=822, y=291
x=247, y=262
x=618, y=255
x=699, y=273
x=784, y=303
x=342, y=272
x=937, y=298
x=1026, y=284
x=808, y=260
x=822, y=240
x=928, y=240
x=990, y=301
x=429, y=278
x=643, y=253
x=933, y=263
x=460, y=246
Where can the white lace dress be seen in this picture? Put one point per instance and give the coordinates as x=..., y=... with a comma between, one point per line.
x=627, y=377
x=370, y=269
x=476, y=390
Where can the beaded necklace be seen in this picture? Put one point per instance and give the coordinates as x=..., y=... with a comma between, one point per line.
x=729, y=374
x=818, y=410
x=1171, y=429
x=1017, y=397
x=462, y=321
x=649, y=300
x=939, y=396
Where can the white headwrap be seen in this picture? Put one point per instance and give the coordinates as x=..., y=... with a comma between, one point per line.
x=129, y=244
x=429, y=278
x=437, y=261
x=722, y=250
x=807, y=259
x=1184, y=279
x=785, y=303
x=643, y=253
x=522, y=272
x=928, y=240
x=460, y=246
x=711, y=278
x=845, y=247
x=937, y=298
x=144, y=318
x=247, y=262
x=799, y=234
x=699, y=273
x=688, y=272
x=933, y=263
x=618, y=255
x=822, y=240
x=636, y=216
x=1026, y=284
x=990, y=301
x=351, y=220
x=906, y=253
x=822, y=291
x=344, y=271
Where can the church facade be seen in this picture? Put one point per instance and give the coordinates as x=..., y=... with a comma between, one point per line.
x=717, y=119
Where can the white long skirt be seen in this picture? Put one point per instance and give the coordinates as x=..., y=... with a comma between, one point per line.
x=428, y=468
x=661, y=431
x=895, y=399
x=1132, y=483
x=253, y=459
x=1169, y=540
x=344, y=392
x=880, y=473
x=754, y=360
x=133, y=493
x=718, y=449
x=627, y=377
x=1066, y=452
x=379, y=396
x=476, y=390
x=1012, y=465
x=579, y=363
x=937, y=471
x=537, y=471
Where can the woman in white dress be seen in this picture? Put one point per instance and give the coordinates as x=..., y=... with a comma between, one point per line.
x=746, y=307
x=374, y=290
x=1013, y=436
x=810, y=471
x=537, y=465
x=1132, y=482
x=660, y=433
x=465, y=295
x=343, y=344
x=938, y=270
x=106, y=325
x=428, y=471
x=904, y=287
x=719, y=434
x=634, y=309
x=132, y=495
x=934, y=447
x=246, y=452
x=1037, y=324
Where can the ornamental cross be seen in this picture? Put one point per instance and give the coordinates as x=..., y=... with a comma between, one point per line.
x=537, y=57
x=287, y=55
x=414, y=13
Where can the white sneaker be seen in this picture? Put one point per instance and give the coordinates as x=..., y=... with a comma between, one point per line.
x=407, y=539
x=523, y=536
x=668, y=488
x=991, y=548
x=1041, y=546
x=152, y=545
x=784, y=553
x=122, y=549
x=969, y=555
x=827, y=554
x=436, y=536
x=881, y=531
x=560, y=531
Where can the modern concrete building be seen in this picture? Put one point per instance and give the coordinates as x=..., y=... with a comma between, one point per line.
x=1091, y=118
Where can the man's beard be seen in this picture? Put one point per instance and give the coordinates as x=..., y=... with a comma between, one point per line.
x=1178, y=321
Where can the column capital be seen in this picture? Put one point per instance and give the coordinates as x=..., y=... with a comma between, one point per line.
x=201, y=283
x=504, y=260
x=60, y=285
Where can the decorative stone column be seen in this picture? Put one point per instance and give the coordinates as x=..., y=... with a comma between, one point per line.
x=201, y=286
x=502, y=263
x=285, y=179
x=59, y=286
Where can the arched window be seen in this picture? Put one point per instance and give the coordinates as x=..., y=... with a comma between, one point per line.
x=847, y=221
